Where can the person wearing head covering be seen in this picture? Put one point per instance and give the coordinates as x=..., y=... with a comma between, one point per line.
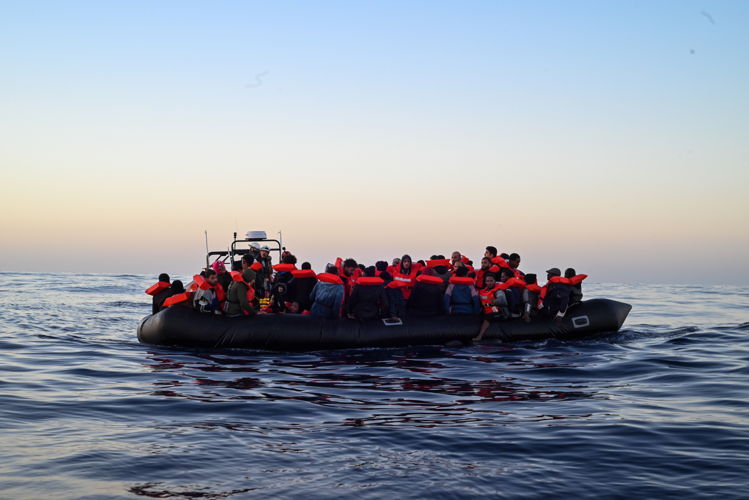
x=161, y=291
x=224, y=278
x=558, y=291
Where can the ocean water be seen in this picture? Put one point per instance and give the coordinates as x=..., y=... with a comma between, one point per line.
x=658, y=410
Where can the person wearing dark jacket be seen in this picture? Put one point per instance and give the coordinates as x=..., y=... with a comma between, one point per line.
x=558, y=293
x=576, y=294
x=368, y=299
x=160, y=292
x=327, y=294
x=240, y=294
x=427, y=296
x=396, y=302
x=461, y=296
x=224, y=278
x=300, y=286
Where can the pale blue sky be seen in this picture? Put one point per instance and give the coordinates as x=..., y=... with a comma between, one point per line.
x=630, y=118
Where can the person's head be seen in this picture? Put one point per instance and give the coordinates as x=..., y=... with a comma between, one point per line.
x=306, y=265
x=505, y=256
x=362, y=267
x=456, y=256
x=461, y=271
x=514, y=260
x=434, y=257
x=247, y=261
x=530, y=279
x=570, y=272
x=264, y=251
x=381, y=265
x=331, y=269
x=486, y=263
x=164, y=277
x=349, y=266
x=293, y=307
x=396, y=261
x=505, y=274
x=457, y=264
x=490, y=252
x=219, y=267
x=211, y=277
x=554, y=271
x=177, y=286
x=369, y=271
x=289, y=258
x=490, y=280
x=405, y=263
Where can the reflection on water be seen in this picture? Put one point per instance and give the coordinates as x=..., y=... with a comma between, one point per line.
x=657, y=410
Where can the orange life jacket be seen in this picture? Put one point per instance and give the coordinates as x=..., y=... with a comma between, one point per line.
x=500, y=262
x=303, y=273
x=204, y=285
x=330, y=278
x=487, y=297
x=432, y=280
x=559, y=279
x=177, y=299
x=456, y=280
x=577, y=279
x=250, y=293
x=439, y=262
x=158, y=287
x=284, y=268
x=256, y=266
x=516, y=282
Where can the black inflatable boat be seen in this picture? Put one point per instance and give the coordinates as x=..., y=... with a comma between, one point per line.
x=181, y=326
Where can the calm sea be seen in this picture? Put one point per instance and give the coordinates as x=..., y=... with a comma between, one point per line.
x=658, y=410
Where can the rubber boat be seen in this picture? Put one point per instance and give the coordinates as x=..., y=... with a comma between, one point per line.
x=182, y=326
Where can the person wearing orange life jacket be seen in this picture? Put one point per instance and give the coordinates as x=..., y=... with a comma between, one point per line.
x=490, y=252
x=427, y=296
x=514, y=263
x=513, y=288
x=181, y=297
x=300, y=286
x=461, y=296
x=160, y=292
x=486, y=263
x=368, y=299
x=208, y=294
x=557, y=298
x=576, y=295
x=405, y=276
x=533, y=296
x=380, y=267
x=224, y=278
x=493, y=304
x=327, y=294
x=439, y=266
x=349, y=272
x=241, y=294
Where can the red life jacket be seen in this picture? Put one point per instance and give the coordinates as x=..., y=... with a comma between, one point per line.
x=480, y=277
x=256, y=266
x=438, y=262
x=486, y=297
x=303, y=273
x=204, y=285
x=455, y=280
x=512, y=282
x=284, y=268
x=158, y=287
x=366, y=280
x=494, y=269
x=500, y=262
x=406, y=281
x=559, y=279
x=539, y=290
x=517, y=272
x=330, y=278
x=177, y=299
x=432, y=280
x=577, y=279
x=250, y=294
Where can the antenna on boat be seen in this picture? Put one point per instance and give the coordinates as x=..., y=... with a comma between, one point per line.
x=280, y=239
x=206, y=240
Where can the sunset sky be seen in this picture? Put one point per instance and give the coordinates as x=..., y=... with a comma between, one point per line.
x=608, y=136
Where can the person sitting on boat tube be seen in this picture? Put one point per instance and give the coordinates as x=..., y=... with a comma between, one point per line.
x=493, y=304
x=241, y=294
x=461, y=296
x=533, y=296
x=514, y=263
x=558, y=291
x=368, y=298
x=427, y=296
x=160, y=292
x=576, y=294
x=327, y=294
x=208, y=294
x=300, y=286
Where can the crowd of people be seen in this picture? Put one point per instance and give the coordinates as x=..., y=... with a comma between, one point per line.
x=497, y=289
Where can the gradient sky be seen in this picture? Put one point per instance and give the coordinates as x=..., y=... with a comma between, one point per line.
x=608, y=136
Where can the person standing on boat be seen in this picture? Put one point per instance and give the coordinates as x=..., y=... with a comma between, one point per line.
x=327, y=294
